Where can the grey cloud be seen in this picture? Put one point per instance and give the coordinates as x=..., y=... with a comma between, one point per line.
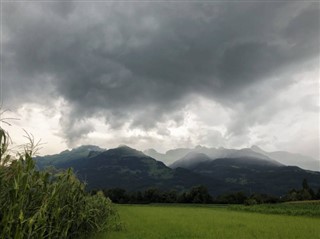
x=309, y=103
x=140, y=62
x=74, y=129
x=212, y=138
x=302, y=29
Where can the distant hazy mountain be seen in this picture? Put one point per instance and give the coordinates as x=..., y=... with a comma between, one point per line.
x=190, y=160
x=291, y=159
x=282, y=157
x=176, y=154
x=170, y=156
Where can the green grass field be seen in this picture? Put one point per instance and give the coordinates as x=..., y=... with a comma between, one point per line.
x=184, y=221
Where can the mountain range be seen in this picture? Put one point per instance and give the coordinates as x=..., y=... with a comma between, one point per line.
x=121, y=167
x=291, y=159
x=235, y=170
x=285, y=158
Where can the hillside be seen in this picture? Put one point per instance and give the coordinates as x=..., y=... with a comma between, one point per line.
x=252, y=175
x=132, y=170
x=67, y=156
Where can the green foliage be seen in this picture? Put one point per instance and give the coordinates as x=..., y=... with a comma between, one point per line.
x=250, y=201
x=198, y=194
x=306, y=208
x=117, y=195
x=49, y=203
x=207, y=222
x=306, y=193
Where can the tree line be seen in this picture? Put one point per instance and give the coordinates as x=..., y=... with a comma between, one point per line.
x=199, y=194
x=305, y=193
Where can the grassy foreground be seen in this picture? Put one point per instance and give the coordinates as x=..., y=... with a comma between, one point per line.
x=161, y=221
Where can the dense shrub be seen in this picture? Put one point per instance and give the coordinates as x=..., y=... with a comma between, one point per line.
x=47, y=204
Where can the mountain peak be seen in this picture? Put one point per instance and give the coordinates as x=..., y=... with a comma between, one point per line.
x=196, y=156
x=151, y=151
x=88, y=148
x=124, y=146
x=255, y=147
x=125, y=150
x=200, y=147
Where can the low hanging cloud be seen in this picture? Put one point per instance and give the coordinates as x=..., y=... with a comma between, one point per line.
x=141, y=64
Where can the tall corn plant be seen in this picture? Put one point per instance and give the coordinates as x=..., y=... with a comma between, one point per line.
x=49, y=203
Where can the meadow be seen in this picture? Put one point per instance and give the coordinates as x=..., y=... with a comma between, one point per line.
x=209, y=221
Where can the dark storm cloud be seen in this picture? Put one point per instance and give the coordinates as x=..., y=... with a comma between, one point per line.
x=141, y=62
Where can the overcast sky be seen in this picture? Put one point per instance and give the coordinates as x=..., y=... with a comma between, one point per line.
x=163, y=75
